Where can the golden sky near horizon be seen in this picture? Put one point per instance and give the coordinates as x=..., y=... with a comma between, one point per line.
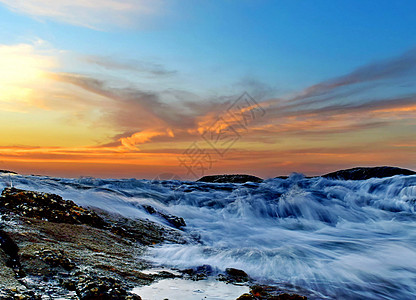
x=70, y=114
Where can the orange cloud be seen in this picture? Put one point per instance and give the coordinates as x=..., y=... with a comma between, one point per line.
x=141, y=137
x=50, y=118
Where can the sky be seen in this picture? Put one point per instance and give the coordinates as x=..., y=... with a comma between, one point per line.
x=156, y=89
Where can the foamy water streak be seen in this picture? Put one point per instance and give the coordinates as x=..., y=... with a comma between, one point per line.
x=339, y=239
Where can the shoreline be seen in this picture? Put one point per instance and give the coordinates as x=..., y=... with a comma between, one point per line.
x=70, y=252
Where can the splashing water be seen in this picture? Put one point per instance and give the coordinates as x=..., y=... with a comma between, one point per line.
x=337, y=239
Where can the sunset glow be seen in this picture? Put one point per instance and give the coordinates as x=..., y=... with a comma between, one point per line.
x=85, y=92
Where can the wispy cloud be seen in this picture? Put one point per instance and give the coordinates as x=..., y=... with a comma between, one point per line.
x=95, y=14
x=131, y=125
x=389, y=69
x=144, y=67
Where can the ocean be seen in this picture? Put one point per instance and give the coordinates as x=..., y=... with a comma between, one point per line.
x=320, y=237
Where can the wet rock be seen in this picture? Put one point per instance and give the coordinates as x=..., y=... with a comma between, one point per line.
x=143, y=231
x=246, y=297
x=7, y=171
x=56, y=259
x=53, y=253
x=235, y=275
x=49, y=207
x=175, y=221
x=361, y=173
x=16, y=294
x=91, y=287
x=11, y=249
x=269, y=293
x=34, y=265
x=199, y=273
x=235, y=178
x=165, y=275
x=69, y=284
x=7, y=275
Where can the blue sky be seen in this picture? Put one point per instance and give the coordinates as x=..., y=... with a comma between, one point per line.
x=214, y=44
x=345, y=65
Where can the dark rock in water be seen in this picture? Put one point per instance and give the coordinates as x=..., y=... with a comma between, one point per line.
x=236, y=272
x=234, y=276
x=199, y=273
x=246, y=297
x=362, y=173
x=49, y=207
x=175, y=221
x=7, y=171
x=268, y=293
x=236, y=178
x=205, y=269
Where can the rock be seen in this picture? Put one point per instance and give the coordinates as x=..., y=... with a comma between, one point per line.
x=56, y=259
x=91, y=287
x=7, y=171
x=53, y=239
x=236, y=275
x=69, y=284
x=235, y=178
x=166, y=274
x=145, y=232
x=48, y=207
x=246, y=297
x=11, y=249
x=199, y=273
x=175, y=221
x=7, y=275
x=269, y=293
x=362, y=173
x=14, y=294
x=8, y=245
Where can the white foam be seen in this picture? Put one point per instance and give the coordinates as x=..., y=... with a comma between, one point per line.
x=340, y=239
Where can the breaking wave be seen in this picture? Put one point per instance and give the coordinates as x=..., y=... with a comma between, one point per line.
x=337, y=239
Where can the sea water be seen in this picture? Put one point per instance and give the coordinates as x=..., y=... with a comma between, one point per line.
x=332, y=238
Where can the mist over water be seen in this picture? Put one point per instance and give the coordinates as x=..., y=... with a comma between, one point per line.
x=337, y=239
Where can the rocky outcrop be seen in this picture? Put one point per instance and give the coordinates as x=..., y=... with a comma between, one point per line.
x=174, y=221
x=7, y=171
x=90, y=287
x=48, y=207
x=236, y=178
x=62, y=249
x=258, y=292
x=236, y=275
x=52, y=208
x=361, y=173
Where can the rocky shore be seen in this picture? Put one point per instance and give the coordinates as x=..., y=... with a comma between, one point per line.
x=52, y=248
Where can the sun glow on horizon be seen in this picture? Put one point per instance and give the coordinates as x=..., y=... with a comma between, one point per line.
x=105, y=85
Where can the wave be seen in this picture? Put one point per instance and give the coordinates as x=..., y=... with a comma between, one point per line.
x=338, y=239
